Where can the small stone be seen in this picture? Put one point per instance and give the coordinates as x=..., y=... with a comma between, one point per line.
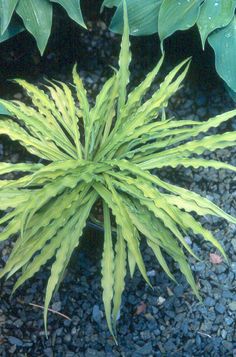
x=201, y=112
x=67, y=338
x=220, y=308
x=18, y=96
x=160, y=300
x=223, y=334
x=179, y=290
x=201, y=100
x=233, y=267
x=200, y=266
x=145, y=335
x=56, y=306
x=48, y=352
x=70, y=354
x=232, y=306
x=97, y=314
x=151, y=273
x=188, y=240
x=12, y=349
x=209, y=301
x=233, y=242
x=221, y=268
x=146, y=349
x=229, y=321
x=228, y=345
x=15, y=341
x=170, y=345
x=18, y=323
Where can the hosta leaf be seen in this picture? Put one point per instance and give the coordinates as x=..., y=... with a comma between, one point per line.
x=13, y=29
x=12, y=228
x=145, y=114
x=7, y=8
x=10, y=198
x=186, y=271
x=161, y=260
x=127, y=229
x=111, y=3
x=53, y=189
x=214, y=14
x=161, y=209
x=23, y=167
x=177, y=15
x=143, y=220
x=190, y=223
x=211, y=143
x=129, y=232
x=223, y=42
x=119, y=274
x=199, y=204
x=35, y=239
x=47, y=252
x=143, y=20
x=73, y=9
x=107, y=267
x=71, y=236
x=179, y=161
x=33, y=145
x=38, y=127
x=65, y=107
x=169, y=244
x=199, y=201
x=103, y=112
x=124, y=61
x=132, y=263
x=136, y=96
x=82, y=96
x=170, y=134
x=37, y=18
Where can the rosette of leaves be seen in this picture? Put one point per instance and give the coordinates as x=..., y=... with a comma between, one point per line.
x=105, y=155
x=36, y=16
x=215, y=20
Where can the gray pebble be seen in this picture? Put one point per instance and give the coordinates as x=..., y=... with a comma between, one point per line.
x=48, y=352
x=233, y=242
x=220, y=308
x=67, y=338
x=232, y=306
x=209, y=301
x=97, y=314
x=145, y=350
x=145, y=335
x=229, y=321
x=15, y=341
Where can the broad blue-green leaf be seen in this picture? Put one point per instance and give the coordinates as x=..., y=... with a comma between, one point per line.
x=37, y=18
x=110, y=3
x=177, y=15
x=12, y=31
x=223, y=42
x=73, y=9
x=7, y=8
x=214, y=14
x=3, y=110
x=143, y=19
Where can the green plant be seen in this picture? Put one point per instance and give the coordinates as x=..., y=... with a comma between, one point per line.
x=36, y=16
x=105, y=154
x=215, y=19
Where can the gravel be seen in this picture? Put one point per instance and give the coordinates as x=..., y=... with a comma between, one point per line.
x=171, y=322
